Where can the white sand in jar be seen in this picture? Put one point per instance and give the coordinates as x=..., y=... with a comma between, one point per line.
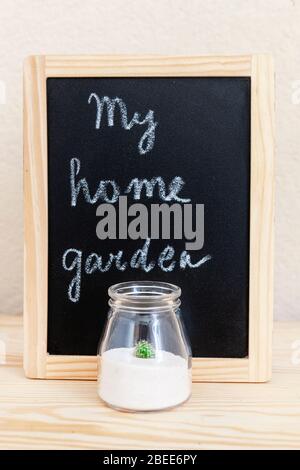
x=140, y=384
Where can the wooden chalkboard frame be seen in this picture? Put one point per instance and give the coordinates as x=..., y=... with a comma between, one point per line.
x=37, y=362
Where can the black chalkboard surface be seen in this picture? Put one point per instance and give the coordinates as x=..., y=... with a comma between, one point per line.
x=198, y=135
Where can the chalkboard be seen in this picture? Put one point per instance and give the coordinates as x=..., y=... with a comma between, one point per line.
x=149, y=168
x=105, y=137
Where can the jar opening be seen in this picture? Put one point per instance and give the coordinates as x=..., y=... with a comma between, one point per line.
x=144, y=294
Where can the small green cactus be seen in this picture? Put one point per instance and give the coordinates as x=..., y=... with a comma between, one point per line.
x=144, y=350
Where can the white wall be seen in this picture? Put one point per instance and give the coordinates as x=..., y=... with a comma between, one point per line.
x=163, y=27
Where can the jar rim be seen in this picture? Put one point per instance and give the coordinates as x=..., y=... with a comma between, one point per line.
x=144, y=292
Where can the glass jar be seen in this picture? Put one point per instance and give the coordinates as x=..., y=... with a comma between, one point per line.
x=144, y=357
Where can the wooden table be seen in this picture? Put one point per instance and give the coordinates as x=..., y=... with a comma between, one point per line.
x=37, y=414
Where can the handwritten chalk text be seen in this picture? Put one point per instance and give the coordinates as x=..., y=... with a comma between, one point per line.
x=109, y=191
x=147, y=140
x=73, y=261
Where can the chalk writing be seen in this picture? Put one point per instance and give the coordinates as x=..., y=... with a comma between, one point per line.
x=74, y=286
x=147, y=140
x=73, y=261
x=142, y=225
x=109, y=191
x=136, y=185
x=102, y=190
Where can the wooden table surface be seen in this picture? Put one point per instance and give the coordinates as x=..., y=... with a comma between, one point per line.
x=36, y=414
